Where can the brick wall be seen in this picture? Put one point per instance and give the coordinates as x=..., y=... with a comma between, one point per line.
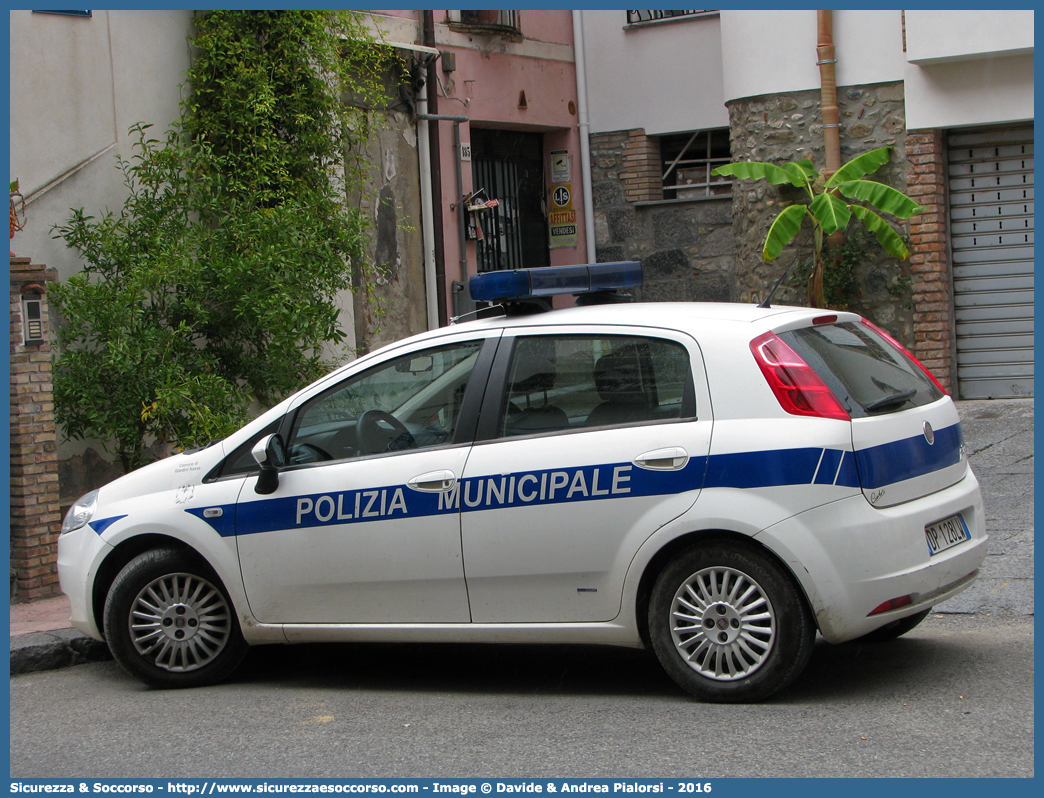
x=35, y=516
x=933, y=321
x=641, y=167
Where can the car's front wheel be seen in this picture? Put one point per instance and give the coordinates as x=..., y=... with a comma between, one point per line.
x=170, y=623
x=729, y=624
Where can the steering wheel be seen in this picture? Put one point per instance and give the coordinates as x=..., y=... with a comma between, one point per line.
x=308, y=453
x=373, y=440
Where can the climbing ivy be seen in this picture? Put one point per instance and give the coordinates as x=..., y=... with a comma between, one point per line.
x=215, y=287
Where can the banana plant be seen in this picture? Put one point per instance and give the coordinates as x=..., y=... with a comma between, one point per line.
x=827, y=207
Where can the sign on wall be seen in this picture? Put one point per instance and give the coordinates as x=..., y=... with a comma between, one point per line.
x=559, y=166
x=562, y=218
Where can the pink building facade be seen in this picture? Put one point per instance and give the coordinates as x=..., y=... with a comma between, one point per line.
x=500, y=97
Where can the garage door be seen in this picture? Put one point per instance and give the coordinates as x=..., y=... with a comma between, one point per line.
x=991, y=226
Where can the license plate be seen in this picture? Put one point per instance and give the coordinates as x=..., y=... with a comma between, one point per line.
x=946, y=534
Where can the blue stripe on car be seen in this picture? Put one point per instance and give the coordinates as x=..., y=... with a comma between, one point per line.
x=101, y=524
x=909, y=458
x=875, y=467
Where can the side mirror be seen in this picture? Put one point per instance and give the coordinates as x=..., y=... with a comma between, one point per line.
x=270, y=454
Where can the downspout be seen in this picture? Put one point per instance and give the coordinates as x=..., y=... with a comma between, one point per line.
x=431, y=290
x=584, y=129
x=831, y=116
x=459, y=205
x=428, y=18
x=828, y=79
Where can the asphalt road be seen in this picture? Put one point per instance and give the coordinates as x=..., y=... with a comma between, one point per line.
x=999, y=437
x=952, y=699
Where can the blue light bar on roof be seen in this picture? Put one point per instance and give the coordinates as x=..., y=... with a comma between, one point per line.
x=550, y=280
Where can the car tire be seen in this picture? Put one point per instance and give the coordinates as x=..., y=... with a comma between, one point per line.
x=895, y=629
x=170, y=623
x=728, y=623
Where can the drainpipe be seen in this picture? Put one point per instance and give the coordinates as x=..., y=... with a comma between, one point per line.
x=830, y=114
x=432, y=96
x=431, y=289
x=459, y=205
x=426, y=56
x=584, y=130
x=828, y=78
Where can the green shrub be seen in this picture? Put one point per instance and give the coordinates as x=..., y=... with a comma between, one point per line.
x=215, y=285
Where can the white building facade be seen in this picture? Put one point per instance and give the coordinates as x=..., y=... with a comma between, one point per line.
x=950, y=91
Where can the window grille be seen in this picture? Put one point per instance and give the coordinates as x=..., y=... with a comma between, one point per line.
x=636, y=17
x=67, y=13
x=505, y=22
x=687, y=162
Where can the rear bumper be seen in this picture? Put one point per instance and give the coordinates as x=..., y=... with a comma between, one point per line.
x=850, y=557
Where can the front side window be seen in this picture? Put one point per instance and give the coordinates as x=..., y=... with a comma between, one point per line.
x=560, y=383
x=411, y=402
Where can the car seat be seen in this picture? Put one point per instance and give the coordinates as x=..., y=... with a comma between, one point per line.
x=533, y=372
x=625, y=383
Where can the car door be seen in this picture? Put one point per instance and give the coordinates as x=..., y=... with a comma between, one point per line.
x=590, y=440
x=360, y=529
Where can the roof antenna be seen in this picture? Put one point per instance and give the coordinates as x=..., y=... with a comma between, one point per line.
x=503, y=311
x=772, y=293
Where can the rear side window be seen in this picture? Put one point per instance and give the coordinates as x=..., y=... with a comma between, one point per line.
x=568, y=382
x=867, y=373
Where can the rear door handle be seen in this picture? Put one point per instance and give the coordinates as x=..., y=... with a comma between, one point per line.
x=672, y=458
x=434, y=481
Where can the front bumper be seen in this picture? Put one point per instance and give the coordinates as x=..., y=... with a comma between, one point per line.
x=80, y=553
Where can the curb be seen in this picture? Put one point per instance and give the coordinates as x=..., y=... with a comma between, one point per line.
x=42, y=651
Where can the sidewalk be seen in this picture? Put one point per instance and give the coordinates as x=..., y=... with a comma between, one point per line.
x=999, y=434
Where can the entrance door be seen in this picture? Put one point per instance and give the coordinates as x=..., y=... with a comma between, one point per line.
x=509, y=165
x=991, y=217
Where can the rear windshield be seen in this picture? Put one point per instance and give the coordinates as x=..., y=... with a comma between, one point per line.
x=867, y=373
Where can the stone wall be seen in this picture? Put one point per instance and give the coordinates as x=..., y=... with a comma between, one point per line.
x=686, y=246
x=787, y=127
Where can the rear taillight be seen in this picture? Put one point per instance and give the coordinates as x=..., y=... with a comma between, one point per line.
x=798, y=389
x=904, y=350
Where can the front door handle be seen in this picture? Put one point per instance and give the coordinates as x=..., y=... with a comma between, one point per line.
x=434, y=481
x=672, y=458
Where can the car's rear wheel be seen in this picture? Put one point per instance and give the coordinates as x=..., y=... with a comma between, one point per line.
x=729, y=624
x=895, y=629
x=170, y=623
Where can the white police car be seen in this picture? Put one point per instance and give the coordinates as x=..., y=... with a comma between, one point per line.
x=715, y=481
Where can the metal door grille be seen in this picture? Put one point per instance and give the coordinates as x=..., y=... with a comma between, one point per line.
x=509, y=164
x=502, y=246
x=991, y=236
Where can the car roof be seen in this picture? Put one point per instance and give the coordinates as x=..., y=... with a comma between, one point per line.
x=696, y=318
x=684, y=316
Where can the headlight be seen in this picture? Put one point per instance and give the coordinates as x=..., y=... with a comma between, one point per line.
x=81, y=512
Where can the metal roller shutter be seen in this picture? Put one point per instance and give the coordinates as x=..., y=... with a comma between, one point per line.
x=991, y=236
